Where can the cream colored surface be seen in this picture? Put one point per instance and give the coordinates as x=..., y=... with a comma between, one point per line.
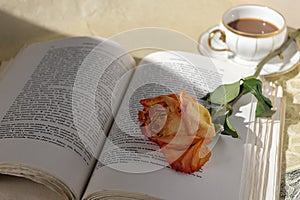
x=25, y=21
x=293, y=129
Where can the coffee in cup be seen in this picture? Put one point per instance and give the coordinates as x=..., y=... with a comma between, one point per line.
x=250, y=32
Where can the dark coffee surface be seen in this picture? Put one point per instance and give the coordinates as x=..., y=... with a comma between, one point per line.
x=253, y=26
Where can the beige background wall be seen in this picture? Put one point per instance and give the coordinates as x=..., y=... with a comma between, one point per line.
x=26, y=21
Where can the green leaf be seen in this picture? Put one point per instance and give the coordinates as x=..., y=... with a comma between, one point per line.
x=219, y=112
x=251, y=84
x=229, y=129
x=262, y=110
x=264, y=105
x=224, y=93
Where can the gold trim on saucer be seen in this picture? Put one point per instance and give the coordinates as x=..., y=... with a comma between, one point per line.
x=282, y=72
x=271, y=75
x=293, y=66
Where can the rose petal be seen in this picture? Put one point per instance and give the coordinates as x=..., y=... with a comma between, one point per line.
x=181, y=127
x=187, y=160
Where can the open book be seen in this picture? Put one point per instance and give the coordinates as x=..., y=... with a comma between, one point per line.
x=69, y=120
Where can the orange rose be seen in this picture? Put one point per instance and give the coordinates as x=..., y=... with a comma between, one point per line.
x=181, y=127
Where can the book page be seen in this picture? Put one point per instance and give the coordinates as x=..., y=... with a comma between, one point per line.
x=262, y=157
x=56, y=106
x=130, y=162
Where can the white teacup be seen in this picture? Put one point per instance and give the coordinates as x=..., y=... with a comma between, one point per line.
x=250, y=32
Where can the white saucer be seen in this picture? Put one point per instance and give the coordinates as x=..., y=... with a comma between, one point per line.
x=275, y=66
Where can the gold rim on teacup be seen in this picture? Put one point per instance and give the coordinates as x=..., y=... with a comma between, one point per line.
x=280, y=29
x=248, y=45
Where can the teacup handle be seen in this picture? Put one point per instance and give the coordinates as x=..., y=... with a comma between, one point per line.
x=222, y=38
